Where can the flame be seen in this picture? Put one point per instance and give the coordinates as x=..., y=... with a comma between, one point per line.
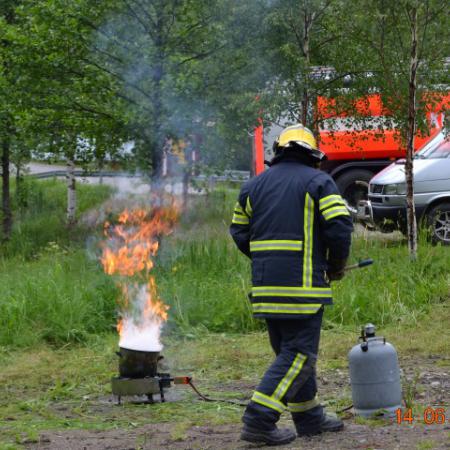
x=128, y=253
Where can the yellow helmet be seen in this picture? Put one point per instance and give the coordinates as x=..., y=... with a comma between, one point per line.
x=299, y=135
x=301, y=138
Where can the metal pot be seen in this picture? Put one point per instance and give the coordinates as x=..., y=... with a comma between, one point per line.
x=138, y=364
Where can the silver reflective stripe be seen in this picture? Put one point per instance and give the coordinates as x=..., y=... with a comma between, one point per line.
x=240, y=220
x=238, y=209
x=287, y=308
x=248, y=208
x=330, y=200
x=269, y=402
x=303, y=406
x=290, y=291
x=334, y=212
x=290, y=376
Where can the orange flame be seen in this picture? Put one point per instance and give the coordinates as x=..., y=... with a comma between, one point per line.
x=128, y=252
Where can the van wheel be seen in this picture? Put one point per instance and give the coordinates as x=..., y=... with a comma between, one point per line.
x=353, y=185
x=438, y=221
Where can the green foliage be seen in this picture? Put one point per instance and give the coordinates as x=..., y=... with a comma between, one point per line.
x=393, y=290
x=206, y=283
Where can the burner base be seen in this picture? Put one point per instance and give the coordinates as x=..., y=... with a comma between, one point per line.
x=148, y=386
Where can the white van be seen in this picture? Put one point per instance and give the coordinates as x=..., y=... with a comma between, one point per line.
x=386, y=206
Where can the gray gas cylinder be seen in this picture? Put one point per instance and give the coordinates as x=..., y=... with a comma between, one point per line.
x=374, y=375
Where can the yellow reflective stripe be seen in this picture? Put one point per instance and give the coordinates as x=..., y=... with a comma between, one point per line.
x=327, y=201
x=289, y=291
x=248, y=208
x=276, y=245
x=240, y=220
x=308, y=241
x=238, y=209
x=290, y=376
x=286, y=308
x=303, y=406
x=269, y=402
x=334, y=212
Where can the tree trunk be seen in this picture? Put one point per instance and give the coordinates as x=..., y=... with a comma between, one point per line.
x=71, y=192
x=308, y=19
x=158, y=76
x=6, y=195
x=186, y=180
x=21, y=193
x=411, y=130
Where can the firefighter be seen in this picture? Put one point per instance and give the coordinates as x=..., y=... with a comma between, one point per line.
x=293, y=224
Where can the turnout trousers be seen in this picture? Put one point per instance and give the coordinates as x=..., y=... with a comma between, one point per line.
x=290, y=382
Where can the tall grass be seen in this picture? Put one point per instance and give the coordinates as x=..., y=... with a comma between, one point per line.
x=57, y=298
x=43, y=219
x=49, y=289
x=205, y=279
x=207, y=282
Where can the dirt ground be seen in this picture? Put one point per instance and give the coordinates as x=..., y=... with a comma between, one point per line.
x=156, y=437
x=426, y=382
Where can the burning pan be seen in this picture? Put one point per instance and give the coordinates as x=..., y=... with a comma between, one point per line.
x=137, y=364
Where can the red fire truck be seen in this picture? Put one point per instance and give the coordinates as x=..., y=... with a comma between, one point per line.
x=355, y=155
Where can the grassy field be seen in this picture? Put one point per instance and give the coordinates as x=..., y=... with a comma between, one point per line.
x=57, y=313
x=53, y=290
x=206, y=280
x=69, y=388
x=50, y=290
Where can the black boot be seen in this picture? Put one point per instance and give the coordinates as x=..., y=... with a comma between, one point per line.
x=269, y=437
x=327, y=423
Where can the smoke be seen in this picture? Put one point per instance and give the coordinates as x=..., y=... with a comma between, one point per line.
x=187, y=76
x=140, y=329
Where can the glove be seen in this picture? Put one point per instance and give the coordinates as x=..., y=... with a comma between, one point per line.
x=336, y=269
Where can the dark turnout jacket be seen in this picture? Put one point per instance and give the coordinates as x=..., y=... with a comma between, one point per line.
x=290, y=220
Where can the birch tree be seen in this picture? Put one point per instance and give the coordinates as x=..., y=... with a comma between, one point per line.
x=298, y=36
x=399, y=51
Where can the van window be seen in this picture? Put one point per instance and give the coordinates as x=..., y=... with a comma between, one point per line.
x=439, y=150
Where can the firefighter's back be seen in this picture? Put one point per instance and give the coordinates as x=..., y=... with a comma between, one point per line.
x=277, y=199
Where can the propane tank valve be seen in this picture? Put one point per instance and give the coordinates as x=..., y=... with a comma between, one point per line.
x=369, y=330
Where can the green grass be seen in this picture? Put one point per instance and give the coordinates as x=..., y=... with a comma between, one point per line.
x=43, y=219
x=57, y=298
x=56, y=308
x=67, y=388
x=205, y=279
x=50, y=291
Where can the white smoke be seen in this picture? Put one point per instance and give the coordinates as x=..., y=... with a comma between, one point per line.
x=143, y=338
x=141, y=329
